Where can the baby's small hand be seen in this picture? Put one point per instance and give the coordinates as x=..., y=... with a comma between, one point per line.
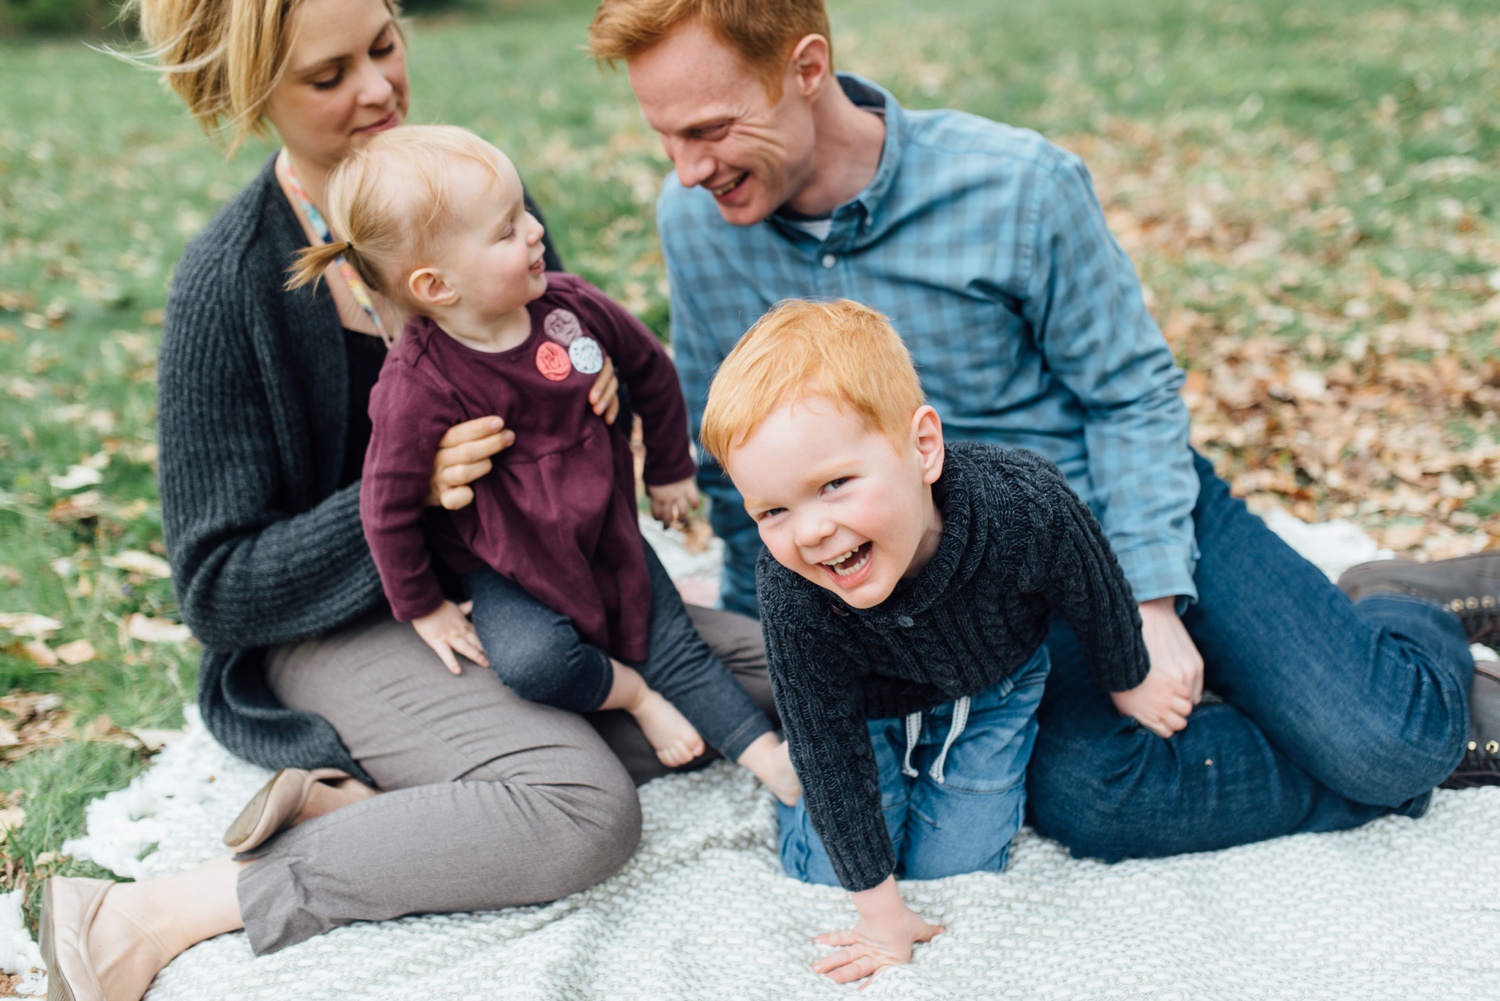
x=447, y=631
x=673, y=502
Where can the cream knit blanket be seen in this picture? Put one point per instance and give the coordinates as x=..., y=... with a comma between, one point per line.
x=1398, y=909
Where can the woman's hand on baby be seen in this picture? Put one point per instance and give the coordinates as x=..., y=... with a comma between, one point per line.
x=449, y=631
x=1174, y=685
x=883, y=936
x=465, y=450
x=463, y=456
x=673, y=502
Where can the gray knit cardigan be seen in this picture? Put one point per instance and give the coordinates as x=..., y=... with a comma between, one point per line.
x=252, y=414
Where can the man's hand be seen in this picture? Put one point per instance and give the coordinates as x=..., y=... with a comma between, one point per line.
x=463, y=456
x=447, y=631
x=604, y=397
x=882, y=937
x=1163, y=702
x=673, y=502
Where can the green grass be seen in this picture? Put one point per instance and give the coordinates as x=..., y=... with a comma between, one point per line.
x=1365, y=138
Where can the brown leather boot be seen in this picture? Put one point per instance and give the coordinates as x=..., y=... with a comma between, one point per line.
x=1467, y=586
x=1481, y=763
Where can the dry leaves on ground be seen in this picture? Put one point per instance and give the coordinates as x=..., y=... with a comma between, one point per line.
x=1320, y=378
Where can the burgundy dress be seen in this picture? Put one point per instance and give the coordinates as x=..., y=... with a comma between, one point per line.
x=557, y=514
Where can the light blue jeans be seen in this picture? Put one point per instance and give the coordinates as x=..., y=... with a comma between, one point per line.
x=963, y=823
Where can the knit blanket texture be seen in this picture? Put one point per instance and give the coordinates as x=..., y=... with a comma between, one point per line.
x=1396, y=909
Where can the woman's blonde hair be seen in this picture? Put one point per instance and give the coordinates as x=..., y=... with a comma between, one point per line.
x=222, y=57
x=840, y=350
x=388, y=205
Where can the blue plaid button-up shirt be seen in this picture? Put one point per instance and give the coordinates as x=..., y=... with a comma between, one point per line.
x=987, y=248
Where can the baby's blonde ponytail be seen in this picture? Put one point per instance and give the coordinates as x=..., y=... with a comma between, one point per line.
x=389, y=200
x=311, y=262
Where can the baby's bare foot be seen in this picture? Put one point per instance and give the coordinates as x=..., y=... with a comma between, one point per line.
x=675, y=739
x=770, y=760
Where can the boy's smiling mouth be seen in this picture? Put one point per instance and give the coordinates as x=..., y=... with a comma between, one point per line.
x=846, y=565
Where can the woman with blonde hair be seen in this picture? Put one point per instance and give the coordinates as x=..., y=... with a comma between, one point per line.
x=484, y=800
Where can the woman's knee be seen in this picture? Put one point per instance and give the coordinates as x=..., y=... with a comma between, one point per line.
x=605, y=837
x=582, y=805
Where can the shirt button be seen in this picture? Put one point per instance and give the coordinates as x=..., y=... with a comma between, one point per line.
x=829, y=260
x=904, y=621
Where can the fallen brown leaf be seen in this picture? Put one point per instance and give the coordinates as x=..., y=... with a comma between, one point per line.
x=29, y=624
x=155, y=740
x=30, y=705
x=39, y=653
x=135, y=561
x=79, y=507
x=150, y=630
x=76, y=478
x=76, y=652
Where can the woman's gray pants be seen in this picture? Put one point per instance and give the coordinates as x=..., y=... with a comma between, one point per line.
x=487, y=800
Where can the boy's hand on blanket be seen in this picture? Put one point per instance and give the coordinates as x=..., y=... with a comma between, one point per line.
x=673, y=502
x=448, y=631
x=883, y=936
x=1174, y=685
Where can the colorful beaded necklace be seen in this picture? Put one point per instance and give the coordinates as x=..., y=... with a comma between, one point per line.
x=356, y=287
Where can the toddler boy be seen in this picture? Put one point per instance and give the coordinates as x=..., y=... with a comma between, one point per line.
x=905, y=595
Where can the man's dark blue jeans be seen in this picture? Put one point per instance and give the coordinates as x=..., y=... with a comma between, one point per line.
x=1333, y=713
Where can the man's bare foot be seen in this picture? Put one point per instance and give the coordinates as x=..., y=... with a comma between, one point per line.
x=770, y=760
x=676, y=740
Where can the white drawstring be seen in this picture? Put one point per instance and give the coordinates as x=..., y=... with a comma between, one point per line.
x=914, y=731
x=960, y=720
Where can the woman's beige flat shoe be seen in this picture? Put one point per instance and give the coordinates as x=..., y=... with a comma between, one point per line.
x=81, y=967
x=276, y=805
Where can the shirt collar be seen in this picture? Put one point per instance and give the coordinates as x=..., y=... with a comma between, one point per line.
x=866, y=94
x=857, y=218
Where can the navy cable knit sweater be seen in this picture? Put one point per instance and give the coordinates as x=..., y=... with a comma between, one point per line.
x=1017, y=544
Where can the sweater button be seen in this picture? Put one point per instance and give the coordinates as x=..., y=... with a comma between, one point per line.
x=829, y=260
x=904, y=621
x=838, y=609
